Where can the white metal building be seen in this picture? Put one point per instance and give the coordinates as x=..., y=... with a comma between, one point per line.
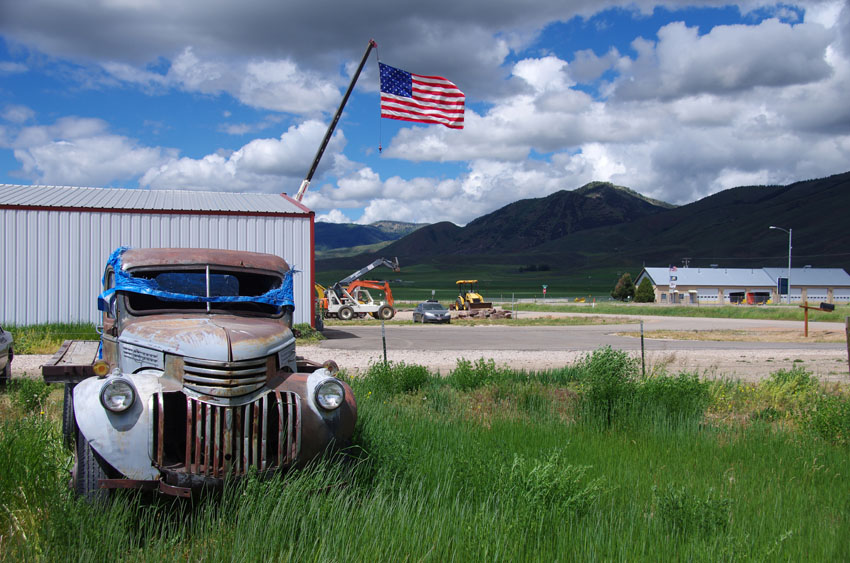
x=54, y=241
x=746, y=285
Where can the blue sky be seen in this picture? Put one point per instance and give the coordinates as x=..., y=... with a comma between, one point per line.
x=676, y=100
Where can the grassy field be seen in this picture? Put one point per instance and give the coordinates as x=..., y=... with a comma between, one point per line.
x=589, y=462
x=768, y=312
x=496, y=281
x=47, y=338
x=742, y=335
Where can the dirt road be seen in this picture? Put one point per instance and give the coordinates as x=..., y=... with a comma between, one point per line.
x=439, y=347
x=546, y=347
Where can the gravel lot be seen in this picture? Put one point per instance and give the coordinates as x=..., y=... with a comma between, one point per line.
x=750, y=365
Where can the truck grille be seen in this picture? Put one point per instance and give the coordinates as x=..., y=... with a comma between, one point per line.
x=224, y=379
x=216, y=441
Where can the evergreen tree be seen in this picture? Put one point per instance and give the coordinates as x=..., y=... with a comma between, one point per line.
x=644, y=292
x=625, y=288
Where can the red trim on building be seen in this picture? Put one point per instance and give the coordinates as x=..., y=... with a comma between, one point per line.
x=312, y=269
x=157, y=211
x=295, y=202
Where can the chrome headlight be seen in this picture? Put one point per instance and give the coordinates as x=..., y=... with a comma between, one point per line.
x=117, y=395
x=330, y=394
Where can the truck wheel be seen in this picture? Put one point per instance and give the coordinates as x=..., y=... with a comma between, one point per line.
x=88, y=470
x=346, y=313
x=68, y=416
x=386, y=312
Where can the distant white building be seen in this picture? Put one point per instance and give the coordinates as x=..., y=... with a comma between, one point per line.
x=55, y=241
x=746, y=285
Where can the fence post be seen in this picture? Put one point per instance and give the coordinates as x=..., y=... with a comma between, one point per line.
x=847, y=338
x=642, y=354
x=384, y=339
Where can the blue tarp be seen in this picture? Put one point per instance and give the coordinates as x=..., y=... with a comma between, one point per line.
x=124, y=281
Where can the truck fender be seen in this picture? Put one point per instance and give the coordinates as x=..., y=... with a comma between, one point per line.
x=122, y=439
x=321, y=428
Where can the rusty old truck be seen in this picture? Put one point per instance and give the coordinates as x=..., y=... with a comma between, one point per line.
x=195, y=379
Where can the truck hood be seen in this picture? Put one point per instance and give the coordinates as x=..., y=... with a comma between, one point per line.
x=220, y=337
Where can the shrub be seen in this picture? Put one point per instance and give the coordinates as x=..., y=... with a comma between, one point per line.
x=792, y=390
x=644, y=293
x=533, y=486
x=684, y=512
x=468, y=375
x=29, y=394
x=680, y=398
x=829, y=418
x=625, y=288
x=305, y=333
x=609, y=381
x=390, y=378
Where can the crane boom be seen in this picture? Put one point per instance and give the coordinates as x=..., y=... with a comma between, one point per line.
x=306, y=182
x=393, y=265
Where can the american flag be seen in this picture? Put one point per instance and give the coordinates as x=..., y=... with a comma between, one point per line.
x=424, y=99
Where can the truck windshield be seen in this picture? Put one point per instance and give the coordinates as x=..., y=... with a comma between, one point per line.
x=222, y=283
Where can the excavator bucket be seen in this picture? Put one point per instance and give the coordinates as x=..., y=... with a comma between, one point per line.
x=480, y=305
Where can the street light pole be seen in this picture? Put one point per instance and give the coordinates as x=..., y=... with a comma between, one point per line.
x=789, y=258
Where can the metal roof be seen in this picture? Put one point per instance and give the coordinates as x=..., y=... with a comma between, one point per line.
x=812, y=276
x=711, y=277
x=748, y=277
x=124, y=199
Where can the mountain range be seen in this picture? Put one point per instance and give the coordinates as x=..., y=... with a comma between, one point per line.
x=341, y=237
x=601, y=225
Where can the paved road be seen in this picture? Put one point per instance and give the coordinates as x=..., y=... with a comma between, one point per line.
x=551, y=338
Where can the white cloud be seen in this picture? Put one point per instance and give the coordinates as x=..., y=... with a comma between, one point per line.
x=333, y=216
x=17, y=113
x=75, y=151
x=682, y=115
x=729, y=58
x=262, y=165
x=9, y=67
x=544, y=74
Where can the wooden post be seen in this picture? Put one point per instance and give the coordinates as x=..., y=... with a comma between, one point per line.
x=847, y=338
x=806, y=317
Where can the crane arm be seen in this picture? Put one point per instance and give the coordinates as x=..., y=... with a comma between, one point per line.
x=306, y=182
x=393, y=265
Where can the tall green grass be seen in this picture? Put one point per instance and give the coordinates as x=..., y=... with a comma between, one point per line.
x=47, y=338
x=483, y=464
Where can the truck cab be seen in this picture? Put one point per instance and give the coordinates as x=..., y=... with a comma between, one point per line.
x=196, y=379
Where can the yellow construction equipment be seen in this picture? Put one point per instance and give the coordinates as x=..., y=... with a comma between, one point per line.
x=468, y=297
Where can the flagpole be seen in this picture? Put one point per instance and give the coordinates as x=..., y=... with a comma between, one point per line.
x=306, y=183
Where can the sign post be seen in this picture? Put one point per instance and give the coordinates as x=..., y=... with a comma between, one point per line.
x=544, y=291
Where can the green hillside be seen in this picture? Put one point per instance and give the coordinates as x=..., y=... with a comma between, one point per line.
x=579, y=242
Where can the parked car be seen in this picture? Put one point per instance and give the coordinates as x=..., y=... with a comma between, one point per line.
x=6, y=355
x=431, y=312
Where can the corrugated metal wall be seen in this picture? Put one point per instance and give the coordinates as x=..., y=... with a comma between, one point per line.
x=51, y=262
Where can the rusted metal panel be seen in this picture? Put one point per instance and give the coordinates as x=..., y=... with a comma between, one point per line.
x=222, y=441
x=160, y=428
x=176, y=257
